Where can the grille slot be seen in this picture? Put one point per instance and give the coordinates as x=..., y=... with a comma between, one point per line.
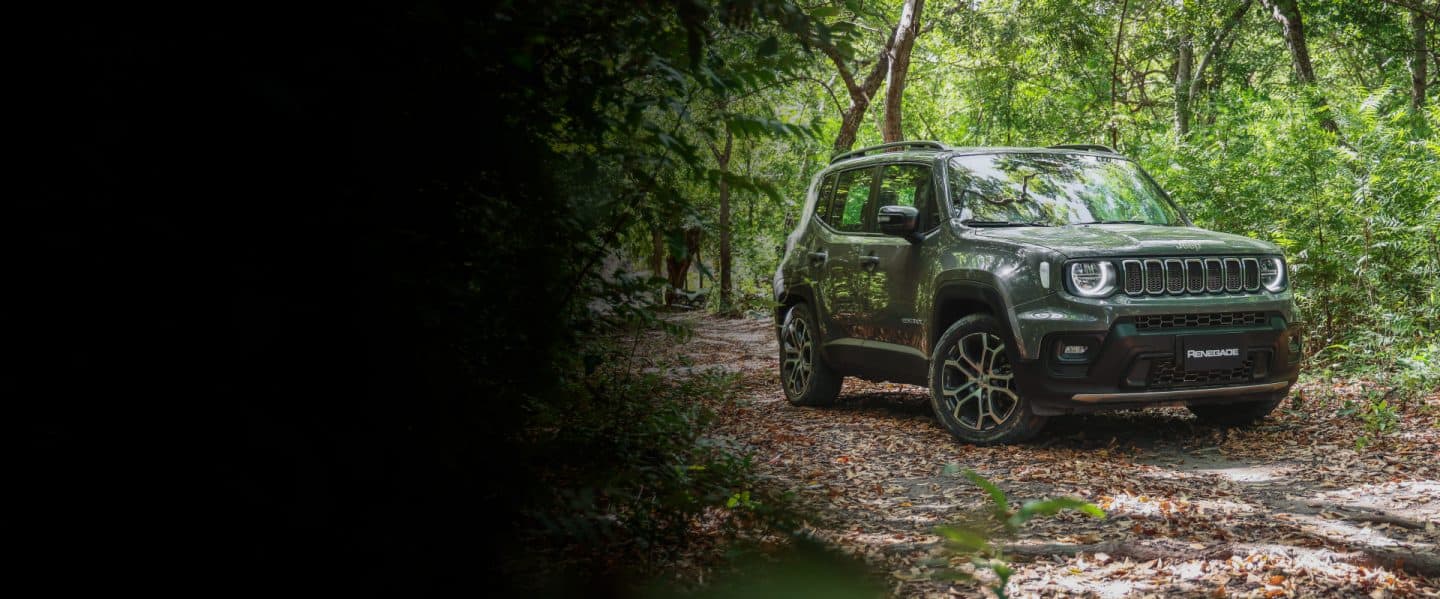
x=1154, y=276
x=1214, y=275
x=1199, y=321
x=1164, y=374
x=1134, y=278
x=1174, y=276
x=1195, y=270
x=1252, y=274
x=1233, y=276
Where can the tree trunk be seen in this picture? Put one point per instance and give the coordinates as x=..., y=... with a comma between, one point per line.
x=1115, y=75
x=1287, y=13
x=657, y=251
x=677, y=268
x=1182, y=86
x=1189, y=74
x=722, y=157
x=1217, y=44
x=905, y=34
x=1418, y=60
x=850, y=124
x=692, y=245
x=893, y=63
x=657, y=260
x=860, y=93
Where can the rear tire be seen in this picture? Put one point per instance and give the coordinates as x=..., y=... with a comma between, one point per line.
x=804, y=375
x=972, y=385
x=1238, y=414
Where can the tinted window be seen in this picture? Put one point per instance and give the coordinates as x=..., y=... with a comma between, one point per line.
x=822, y=199
x=910, y=185
x=852, y=198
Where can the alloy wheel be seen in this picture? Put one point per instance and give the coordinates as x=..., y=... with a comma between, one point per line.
x=799, y=355
x=978, y=383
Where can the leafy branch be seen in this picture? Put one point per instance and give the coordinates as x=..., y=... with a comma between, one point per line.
x=977, y=541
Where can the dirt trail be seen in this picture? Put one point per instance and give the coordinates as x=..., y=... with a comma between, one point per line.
x=1287, y=508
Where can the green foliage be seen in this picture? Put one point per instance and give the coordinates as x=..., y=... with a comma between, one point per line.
x=1358, y=223
x=976, y=542
x=631, y=477
x=1377, y=414
x=806, y=569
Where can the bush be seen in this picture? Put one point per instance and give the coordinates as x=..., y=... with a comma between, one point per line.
x=633, y=478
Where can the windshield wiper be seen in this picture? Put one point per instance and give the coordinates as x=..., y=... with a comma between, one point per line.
x=1113, y=222
x=971, y=222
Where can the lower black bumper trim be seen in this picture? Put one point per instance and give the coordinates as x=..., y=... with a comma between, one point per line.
x=1180, y=393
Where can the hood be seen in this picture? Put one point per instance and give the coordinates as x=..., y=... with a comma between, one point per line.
x=1081, y=241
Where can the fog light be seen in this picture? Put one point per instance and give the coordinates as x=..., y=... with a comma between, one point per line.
x=1074, y=351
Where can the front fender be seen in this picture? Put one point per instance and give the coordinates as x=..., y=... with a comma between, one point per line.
x=997, y=276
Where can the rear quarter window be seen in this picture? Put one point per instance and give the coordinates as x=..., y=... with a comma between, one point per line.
x=852, y=198
x=823, y=197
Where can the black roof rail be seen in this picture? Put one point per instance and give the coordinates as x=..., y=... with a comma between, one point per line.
x=929, y=145
x=1085, y=147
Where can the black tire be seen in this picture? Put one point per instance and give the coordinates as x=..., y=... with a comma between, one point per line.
x=1238, y=414
x=804, y=375
x=951, y=374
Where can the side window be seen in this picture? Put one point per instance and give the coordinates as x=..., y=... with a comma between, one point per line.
x=823, y=197
x=910, y=185
x=852, y=199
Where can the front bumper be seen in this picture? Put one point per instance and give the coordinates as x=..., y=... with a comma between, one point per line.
x=1136, y=364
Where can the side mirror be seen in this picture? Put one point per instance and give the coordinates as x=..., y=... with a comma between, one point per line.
x=898, y=220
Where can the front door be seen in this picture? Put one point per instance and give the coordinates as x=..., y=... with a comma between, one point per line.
x=844, y=282
x=891, y=265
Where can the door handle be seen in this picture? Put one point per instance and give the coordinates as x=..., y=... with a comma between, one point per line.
x=818, y=257
x=869, y=262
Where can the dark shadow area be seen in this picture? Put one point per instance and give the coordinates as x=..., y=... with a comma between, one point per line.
x=241, y=308
x=904, y=403
x=1152, y=429
x=1157, y=429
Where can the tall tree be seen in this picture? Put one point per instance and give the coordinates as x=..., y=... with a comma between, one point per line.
x=860, y=92
x=892, y=63
x=1292, y=26
x=905, y=34
x=1115, y=74
x=722, y=159
x=1189, y=75
x=1419, y=56
x=677, y=264
x=1183, y=61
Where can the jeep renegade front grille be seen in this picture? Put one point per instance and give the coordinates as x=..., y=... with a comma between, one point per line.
x=1189, y=321
x=1175, y=276
x=1163, y=374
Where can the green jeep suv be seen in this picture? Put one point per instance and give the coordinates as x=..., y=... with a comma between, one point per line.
x=1021, y=283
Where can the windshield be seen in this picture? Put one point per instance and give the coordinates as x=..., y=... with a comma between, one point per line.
x=1057, y=189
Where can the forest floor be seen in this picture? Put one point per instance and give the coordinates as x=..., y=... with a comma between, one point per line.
x=1286, y=508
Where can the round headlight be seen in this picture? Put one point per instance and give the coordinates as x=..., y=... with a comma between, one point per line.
x=1092, y=279
x=1272, y=274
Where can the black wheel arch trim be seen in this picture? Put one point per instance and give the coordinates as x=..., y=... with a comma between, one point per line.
x=973, y=291
x=789, y=297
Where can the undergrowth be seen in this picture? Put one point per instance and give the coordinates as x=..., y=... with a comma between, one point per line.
x=634, y=482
